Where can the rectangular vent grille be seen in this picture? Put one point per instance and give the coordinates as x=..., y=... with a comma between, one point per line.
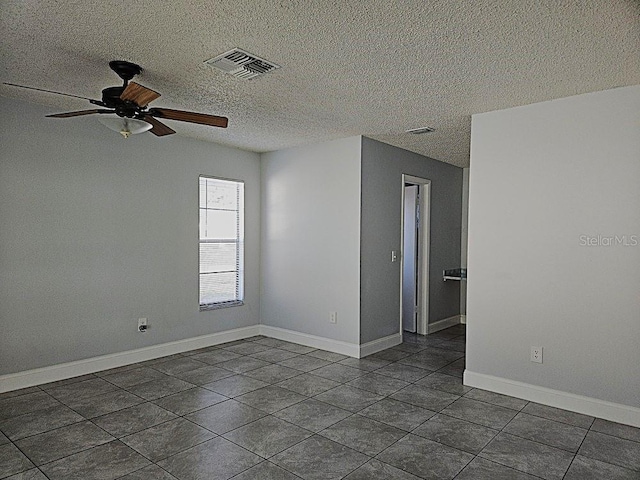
x=241, y=64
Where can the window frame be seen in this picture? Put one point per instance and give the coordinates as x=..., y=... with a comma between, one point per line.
x=240, y=244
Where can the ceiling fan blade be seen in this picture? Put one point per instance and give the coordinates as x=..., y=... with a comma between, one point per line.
x=138, y=94
x=191, y=117
x=159, y=129
x=79, y=113
x=50, y=91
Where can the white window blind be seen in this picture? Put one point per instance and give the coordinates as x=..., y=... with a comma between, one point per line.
x=221, y=242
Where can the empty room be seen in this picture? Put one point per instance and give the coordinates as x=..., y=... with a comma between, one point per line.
x=284, y=240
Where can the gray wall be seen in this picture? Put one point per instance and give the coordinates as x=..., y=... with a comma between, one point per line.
x=96, y=231
x=382, y=169
x=311, y=239
x=554, y=248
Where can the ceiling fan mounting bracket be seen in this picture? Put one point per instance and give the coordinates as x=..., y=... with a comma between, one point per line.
x=125, y=70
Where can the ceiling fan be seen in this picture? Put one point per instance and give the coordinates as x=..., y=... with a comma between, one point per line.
x=130, y=103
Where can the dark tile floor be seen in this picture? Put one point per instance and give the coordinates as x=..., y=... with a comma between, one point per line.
x=265, y=409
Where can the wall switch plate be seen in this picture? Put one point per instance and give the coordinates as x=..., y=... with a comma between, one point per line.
x=394, y=256
x=142, y=325
x=536, y=354
x=333, y=317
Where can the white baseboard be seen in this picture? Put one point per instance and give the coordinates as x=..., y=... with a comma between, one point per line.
x=594, y=407
x=463, y=319
x=380, y=344
x=444, y=323
x=38, y=376
x=336, y=346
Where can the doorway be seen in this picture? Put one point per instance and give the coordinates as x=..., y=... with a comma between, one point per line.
x=414, y=277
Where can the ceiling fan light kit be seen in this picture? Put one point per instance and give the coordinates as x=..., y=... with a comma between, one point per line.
x=130, y=103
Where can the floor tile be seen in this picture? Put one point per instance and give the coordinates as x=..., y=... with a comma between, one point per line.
x=160, y=387
x=271, y=342
x=377, y=470
x=273, y=373
x=453, y=369
x=215, y=357
x=397, y=414
x=305, y=363
x=456, y=433
x=328, y=356
x=134, y=376
x=197, y=351
x=349, y=398
x=363, y=434
x=235, y=385
x=20, y=405
x=3, y=439
x=496, y=399
x=403, y=372
x=58, y=443
x=39, y=422
x=225, y=416
x=369, y=364
x=105, y=462
x=296, y=348
x=267, y=436
x=106, y=403
x=266, y=471
x=318, y=458
x=409, y=347
x=274, y=355
x=19, y=392
x=270, y=399
x=189, y=401
x=558, y=415
x=67, y=381
x=166, y=439
x=204, y=375
x=380, y=384
x=425, y=397
x=12, y=461
x=616, y=429
x=483, y=469
x=133, y=419
x=80, y=390
x=615, y=450
x=486, y=414
x=247, y=348
x=33, y=474
x=339, y=373
x=152, y=472
x=546, y=431
x=425, y=458
x=216, y=459
x=583, y=468
x=527, y=456
x=178, y=365
x=313, y=414
x=308, y=384
x=242, y=364
x=446, y=383
x=391, y=355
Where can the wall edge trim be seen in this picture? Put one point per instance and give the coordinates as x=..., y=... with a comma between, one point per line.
x=308, y=340
x=594, y=407
x=62, y=371
x=380, y=344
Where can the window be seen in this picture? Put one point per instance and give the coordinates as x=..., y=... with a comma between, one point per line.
x=221, y=243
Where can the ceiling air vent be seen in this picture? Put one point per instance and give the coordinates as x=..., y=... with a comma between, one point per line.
x=421, y=130
x=241, y=64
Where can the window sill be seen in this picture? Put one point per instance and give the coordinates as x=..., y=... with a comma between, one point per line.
x=216, y=306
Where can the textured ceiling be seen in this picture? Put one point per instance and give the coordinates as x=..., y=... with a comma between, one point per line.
x=375, y=68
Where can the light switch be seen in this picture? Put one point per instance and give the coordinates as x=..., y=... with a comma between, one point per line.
x=394, y=256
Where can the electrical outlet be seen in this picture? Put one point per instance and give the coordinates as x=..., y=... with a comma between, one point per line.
x=142, y=325
x=333, y=317
x=536, y=354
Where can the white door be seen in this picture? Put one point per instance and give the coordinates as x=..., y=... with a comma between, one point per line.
x=410, y=259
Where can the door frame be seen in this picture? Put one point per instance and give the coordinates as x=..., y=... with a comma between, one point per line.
x=424, y=192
